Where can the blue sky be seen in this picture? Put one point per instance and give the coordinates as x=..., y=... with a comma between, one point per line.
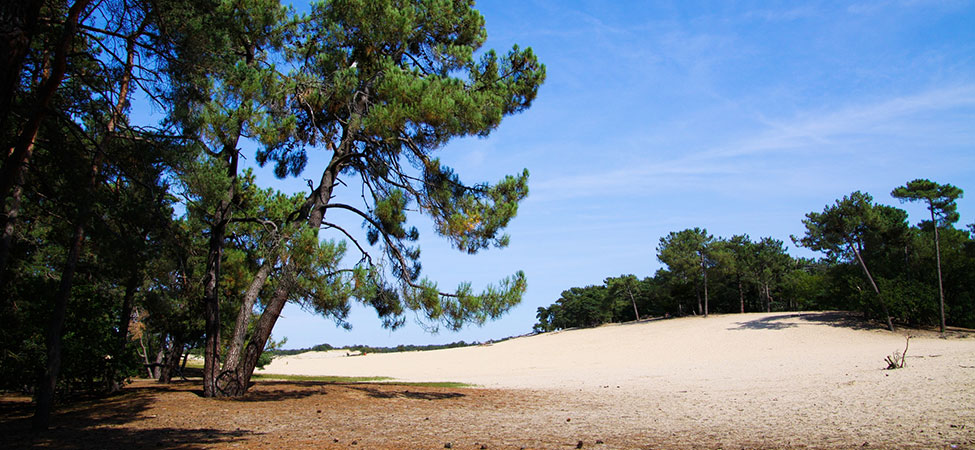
x=738, y=117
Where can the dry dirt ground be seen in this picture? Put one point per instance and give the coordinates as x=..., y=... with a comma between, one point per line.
x=746, y=399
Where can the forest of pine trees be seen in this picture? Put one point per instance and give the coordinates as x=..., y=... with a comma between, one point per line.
x=873, y=261
x=129, y=238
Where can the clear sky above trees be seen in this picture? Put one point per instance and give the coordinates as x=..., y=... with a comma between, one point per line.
x=661, y=116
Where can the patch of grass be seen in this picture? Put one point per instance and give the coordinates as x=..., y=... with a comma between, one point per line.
x=193, y=364
x=374, y=380
x=439, y=384
x=340, y=379
x=321, y=378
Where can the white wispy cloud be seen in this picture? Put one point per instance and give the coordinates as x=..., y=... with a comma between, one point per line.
x=783, y=15
x=809, y=137
x=872, y=7
x=830, y=126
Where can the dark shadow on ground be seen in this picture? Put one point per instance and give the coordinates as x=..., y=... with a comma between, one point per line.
x=842, y=319
x=106, y=410
x=839, y=319
x=273, y=395
x=262, y=391
x=71, y=438
x=89, y=424
x=385, y=393
x=767, y=323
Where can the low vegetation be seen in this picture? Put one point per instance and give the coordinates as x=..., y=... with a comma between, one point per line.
x=898, y=359
x=371, y=349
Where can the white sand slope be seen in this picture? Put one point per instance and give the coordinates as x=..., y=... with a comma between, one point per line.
x=682, y=353
x=784, y=380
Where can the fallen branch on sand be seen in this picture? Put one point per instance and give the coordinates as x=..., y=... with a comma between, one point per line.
x=896, y=360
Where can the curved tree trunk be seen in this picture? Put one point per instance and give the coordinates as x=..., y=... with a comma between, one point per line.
x=883, y=305
x=236, y=346
x=262, y=332
x=635, y=310
x=235, y=380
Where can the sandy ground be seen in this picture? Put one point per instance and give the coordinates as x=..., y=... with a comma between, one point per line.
x=755, y=381
x=812, y=379
x=719, y=351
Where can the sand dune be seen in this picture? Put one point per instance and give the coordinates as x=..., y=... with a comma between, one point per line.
x=683, y=353
x=781, y=380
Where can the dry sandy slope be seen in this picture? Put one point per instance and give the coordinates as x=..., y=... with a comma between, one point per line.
x=780, y=379
x=686, y=352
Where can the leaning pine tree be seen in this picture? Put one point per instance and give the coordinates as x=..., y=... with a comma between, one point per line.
x=379, y=86
x=841, y=232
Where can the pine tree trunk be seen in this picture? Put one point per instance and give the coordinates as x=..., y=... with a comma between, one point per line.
x=48, y=383
x=635, y=310
x=125, y=317
x=45, y=400
x=700, y=304
x=741, y=295
x=170, y=363
x=211, y=284
x=937, y=253
x=211, y=303
x=704, y=271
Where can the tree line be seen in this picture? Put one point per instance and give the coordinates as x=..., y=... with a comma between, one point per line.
x=127, y=241
x=362, y=348
x=873, y=261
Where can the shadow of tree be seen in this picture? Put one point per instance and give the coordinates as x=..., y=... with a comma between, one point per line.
x=70, y=437
x=842, y=319
x=273, y=395
x=767, y=323
x=394, y=393
x=97, y=424
x=261, y=391
x=839, y=319
x=266, y=391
